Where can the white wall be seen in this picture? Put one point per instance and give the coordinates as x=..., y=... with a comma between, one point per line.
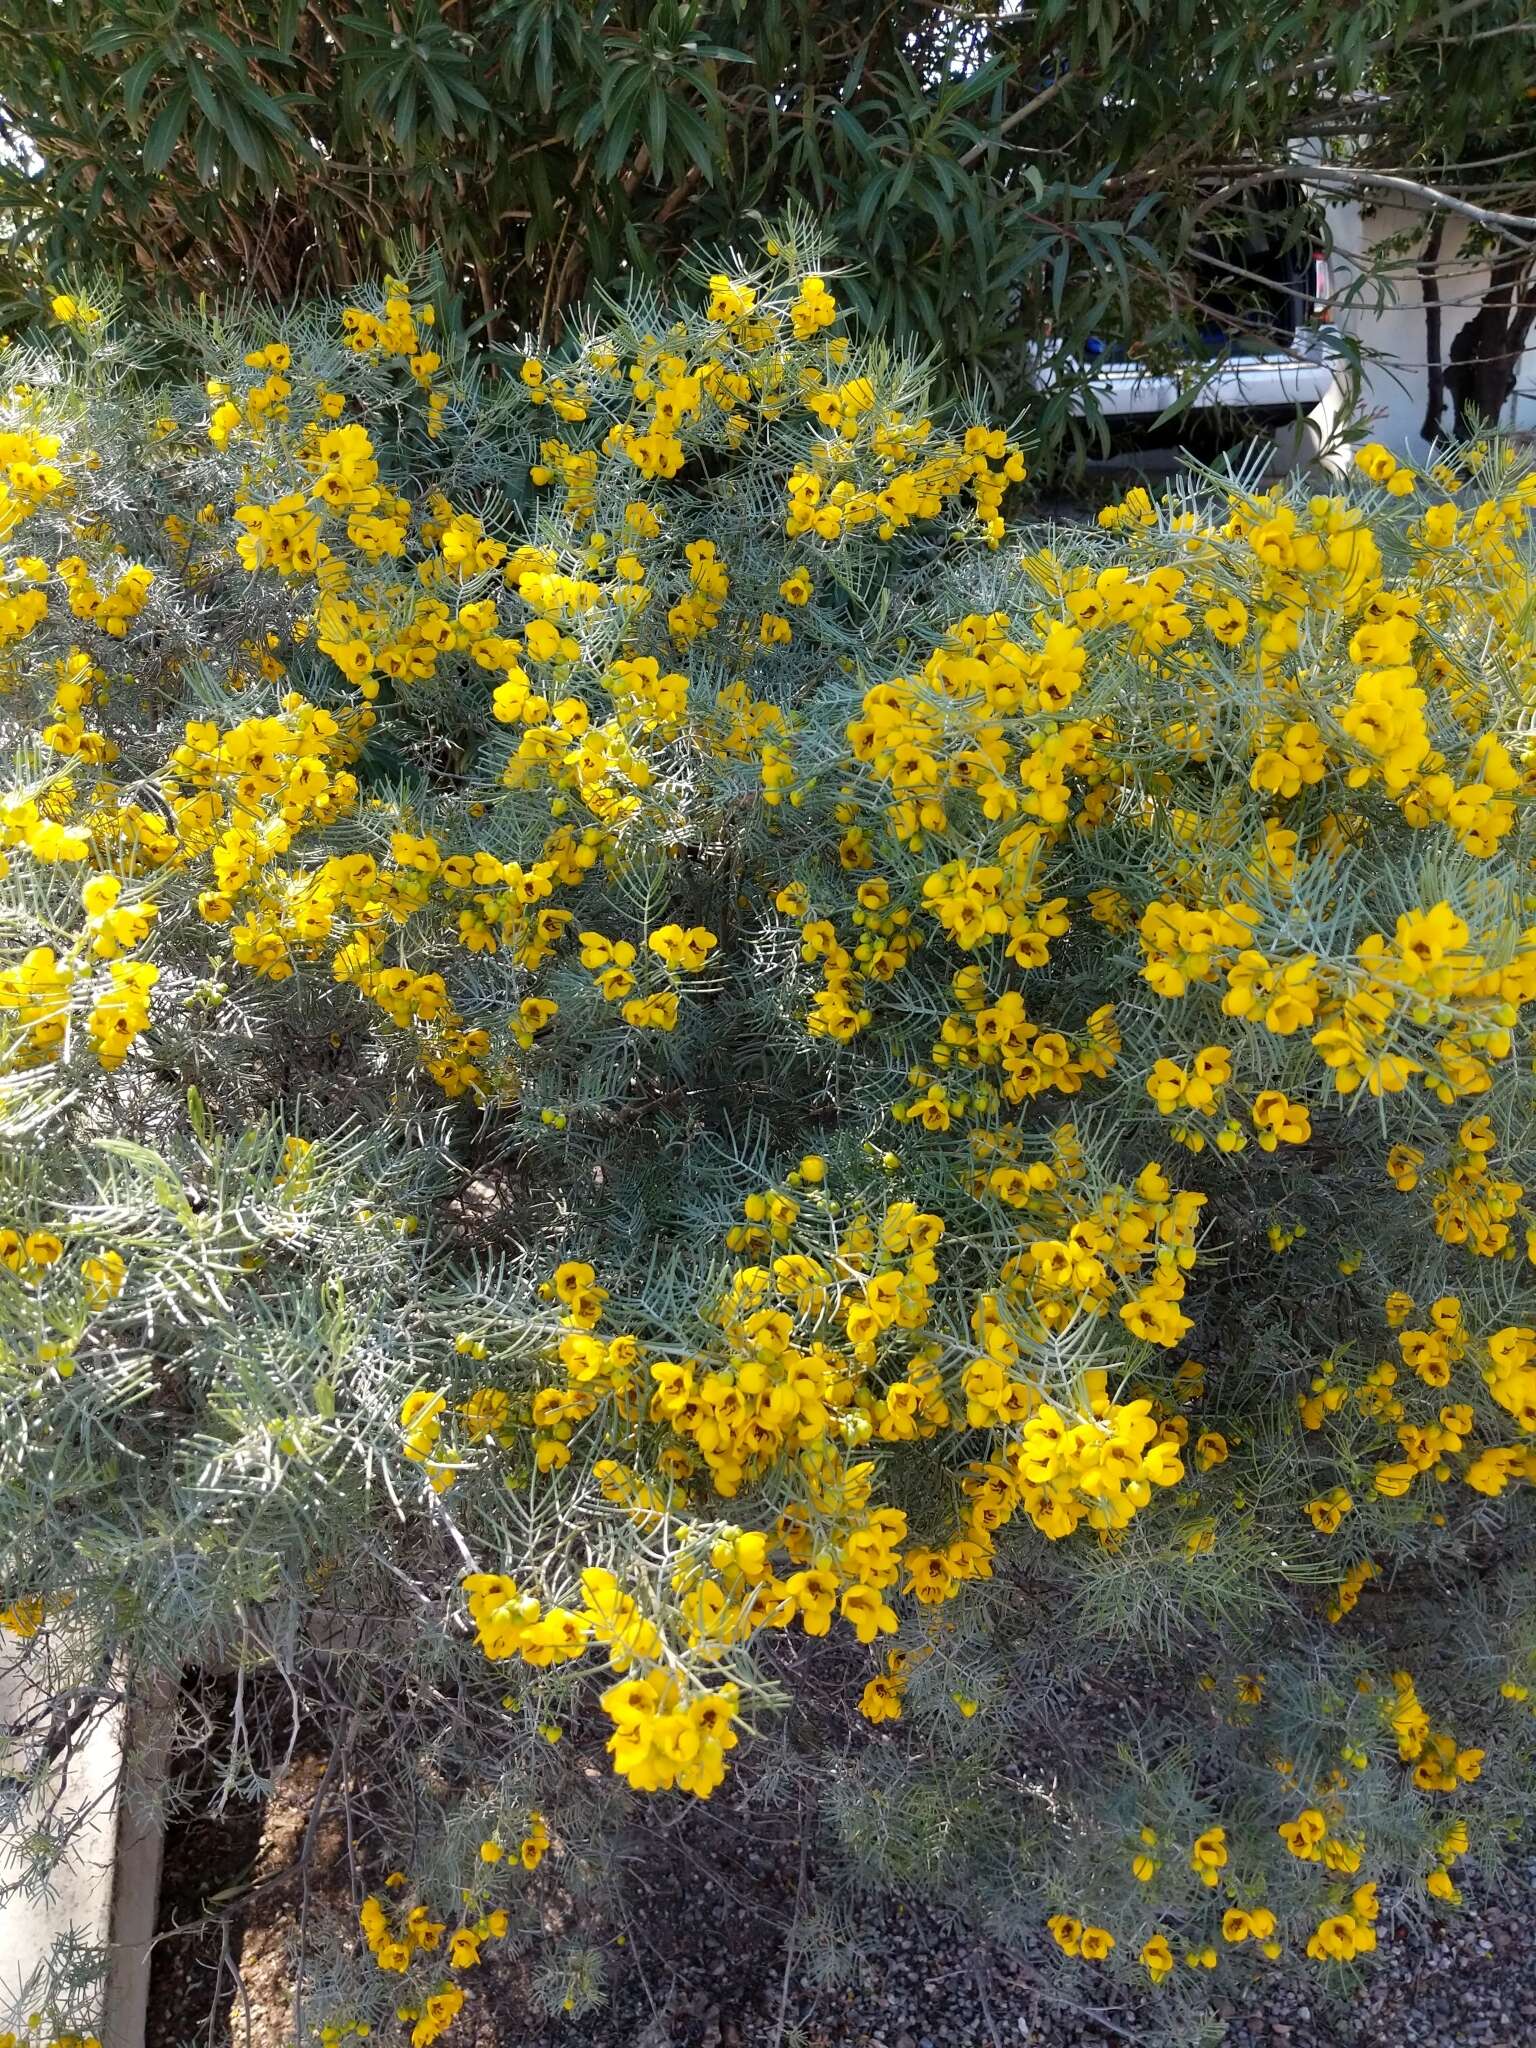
x=1396, y=389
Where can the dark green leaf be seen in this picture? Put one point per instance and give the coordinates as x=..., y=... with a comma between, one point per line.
x=165, y=130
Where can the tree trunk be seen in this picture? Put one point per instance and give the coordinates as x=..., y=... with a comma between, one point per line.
x=1480, y=375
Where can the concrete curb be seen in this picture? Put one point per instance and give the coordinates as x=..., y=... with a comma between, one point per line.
x=104, y=1894
x=140, y=1850
x=80, y=1797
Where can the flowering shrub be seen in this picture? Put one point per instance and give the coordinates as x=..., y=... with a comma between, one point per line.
x=688, y=1123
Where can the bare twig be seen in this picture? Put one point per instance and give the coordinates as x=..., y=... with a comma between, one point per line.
x=789, y=1939
x=979, y=1977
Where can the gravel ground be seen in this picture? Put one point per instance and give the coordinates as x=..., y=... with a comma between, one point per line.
x=700, y=1963
x=1466, y=1982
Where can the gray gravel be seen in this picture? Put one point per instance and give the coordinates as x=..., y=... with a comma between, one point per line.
x=697, y=1960
x=1465, y=1981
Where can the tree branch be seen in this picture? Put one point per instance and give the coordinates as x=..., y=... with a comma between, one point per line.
x=1428, y=196
x=979, y=149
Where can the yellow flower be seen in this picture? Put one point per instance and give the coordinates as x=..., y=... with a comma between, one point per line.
x=1066, y=1932
x=1208, y=1855
x=1255, y=1923
x=1211, y=1450
x=1156, y=1957
x=103, y=1274
x=73, y=312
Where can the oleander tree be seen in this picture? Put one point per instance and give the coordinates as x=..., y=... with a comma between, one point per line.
x=996, y=177
x=689, y=1124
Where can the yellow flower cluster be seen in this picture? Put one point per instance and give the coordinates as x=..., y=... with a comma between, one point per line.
x=30, y=2040
x=30, y=475
x=110, y=610
x=771, y=1401
x=530, y=1850
x=1438, y=1764
x=1433, y=1436
x=396, y=1941
x=664, y=1734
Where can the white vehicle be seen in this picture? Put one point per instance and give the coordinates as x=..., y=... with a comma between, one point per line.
x=1266, y=358
x=1267, y=390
